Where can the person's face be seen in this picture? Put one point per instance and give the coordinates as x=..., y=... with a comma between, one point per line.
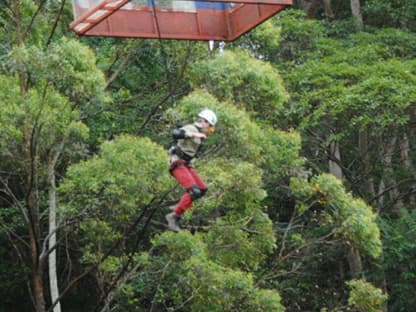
x=207, y=129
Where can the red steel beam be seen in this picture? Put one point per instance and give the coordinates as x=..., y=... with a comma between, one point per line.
x=248, y=16
x=204, y=25
x=106, y=19
x=107, y=7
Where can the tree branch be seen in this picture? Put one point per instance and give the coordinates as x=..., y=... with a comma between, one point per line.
x=55, y=24
x=32, y=20
x=9, y=192
x=109, y=252
x=172, y=89
x=123, y=65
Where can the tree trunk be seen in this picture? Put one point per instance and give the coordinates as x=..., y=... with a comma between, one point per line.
x=335, y=159
x=407, y=161
x=328, y=9
x=37, y=276
x=353, y=256
x=381, y=190
x=309, y=7
x=354, y=262
x=368, y=181
x=312, y=8
x=383, y=283
x=356, y=13
x=303, y=5
x=29, y=154
x=33, y=225
x=388, y=174
x=53, y=280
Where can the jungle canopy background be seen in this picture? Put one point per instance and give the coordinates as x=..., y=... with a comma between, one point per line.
x=311, y=173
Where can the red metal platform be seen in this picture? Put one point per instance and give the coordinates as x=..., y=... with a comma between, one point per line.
x=170, y=19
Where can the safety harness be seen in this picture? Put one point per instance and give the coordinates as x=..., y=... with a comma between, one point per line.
x=175, y=149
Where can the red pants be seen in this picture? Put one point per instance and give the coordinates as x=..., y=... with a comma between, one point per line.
x=188, y=178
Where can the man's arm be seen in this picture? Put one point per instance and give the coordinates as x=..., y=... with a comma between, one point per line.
x=186, y=133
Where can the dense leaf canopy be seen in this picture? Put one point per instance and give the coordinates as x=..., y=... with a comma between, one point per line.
x=311, y=171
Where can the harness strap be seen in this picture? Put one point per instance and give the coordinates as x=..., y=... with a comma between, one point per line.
x=176, y=164
x=176, y=150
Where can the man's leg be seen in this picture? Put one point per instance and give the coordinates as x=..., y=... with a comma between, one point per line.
x=201, y=184
x=183, y=174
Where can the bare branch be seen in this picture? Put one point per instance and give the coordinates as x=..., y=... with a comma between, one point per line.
x=32, y=20
x=55, y=24
x=172, y=89
x=122, y=66
x=10, y=193
x=13, y=233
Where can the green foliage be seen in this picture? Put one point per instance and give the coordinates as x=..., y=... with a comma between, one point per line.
x=387, y=43
x=390, y=13
x=246, y=82
x=387, y=98
x=181, y=276
x=145, y=77
x=365, y=297
x=242, y=234
x=73, y=71
x=351, y=217
x=399, y=252
x=357, y=220
x=251, y=230
x=67, y=65
x=62, y=80
x=263, y=41
x=107, y=193
x=12, y=277
x=27, y=10
x=299, y=36
x=241, y=137
x=360, y=86
x=10, y=113
x=98, y=236
x=281, y=153
x=229, y=177
x=127, y=175
x=46, y=112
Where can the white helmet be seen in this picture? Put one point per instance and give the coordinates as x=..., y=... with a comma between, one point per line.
x=209, y=116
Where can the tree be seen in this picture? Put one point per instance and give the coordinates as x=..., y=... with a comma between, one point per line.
x=397, y=14
x=336, y=90
x=325, y=223
x=44, y=120
x=233, y=225
x=231, y=76
x=398, y=234
x=356, y=13
x=375, y=125
x=365, y=297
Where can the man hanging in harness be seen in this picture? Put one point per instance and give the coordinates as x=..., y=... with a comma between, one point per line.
x=188, y=141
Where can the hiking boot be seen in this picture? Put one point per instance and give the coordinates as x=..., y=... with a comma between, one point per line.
x=173, y=221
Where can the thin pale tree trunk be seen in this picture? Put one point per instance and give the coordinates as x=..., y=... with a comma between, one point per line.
x=390, y=181
x=335, y=159
x=368, y=180
x=354, y=262
x=407, y=161
x=328, y=9
x=53, y=278
x=356, y=13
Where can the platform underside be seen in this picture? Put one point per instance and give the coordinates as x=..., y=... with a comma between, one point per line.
x=190, y=20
